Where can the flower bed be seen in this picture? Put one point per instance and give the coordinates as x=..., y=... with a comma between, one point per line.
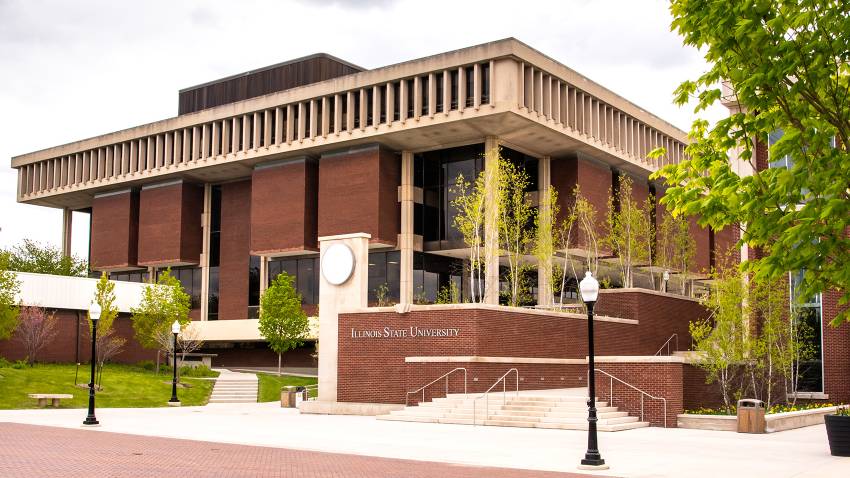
x=781, y=418
x=773, y=410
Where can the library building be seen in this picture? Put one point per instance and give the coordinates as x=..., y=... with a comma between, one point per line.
x=351, y=180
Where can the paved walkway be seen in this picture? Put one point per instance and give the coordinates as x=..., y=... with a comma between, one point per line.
x=647, y=452
x=35, y=451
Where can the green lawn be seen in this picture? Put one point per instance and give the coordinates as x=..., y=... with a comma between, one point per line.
x=123, y=386
x=271, y=384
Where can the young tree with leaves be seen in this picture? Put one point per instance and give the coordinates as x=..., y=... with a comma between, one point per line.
x=108, y=344
x=787, y=68
x=629, y=231
x=283, y=322
x=676, y=246
x=31, y=256
x=469, y=199
x=162, y=303
x=547, y=227
x=515, y=219
x=9, y=288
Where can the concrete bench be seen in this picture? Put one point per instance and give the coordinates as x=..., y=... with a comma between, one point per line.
x=53, y=397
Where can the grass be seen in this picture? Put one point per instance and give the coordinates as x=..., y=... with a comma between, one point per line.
x=270, y=385
x=124, y=386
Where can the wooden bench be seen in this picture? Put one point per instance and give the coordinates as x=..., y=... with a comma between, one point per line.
x=53, y=397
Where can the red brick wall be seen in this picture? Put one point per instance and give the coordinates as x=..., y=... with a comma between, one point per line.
x=660, y=316
x=640, y=191
x=276, y=229
x=836, y=352
x=593, y=179
x=73, y=343
x=235, y=250
x=114, y=231
x=259, y=355
x=170, y=229
x=358, y=192
x=369, y=364
x=702, y=257
x=726, y=251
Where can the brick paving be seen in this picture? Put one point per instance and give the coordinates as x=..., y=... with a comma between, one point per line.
x=38, y=451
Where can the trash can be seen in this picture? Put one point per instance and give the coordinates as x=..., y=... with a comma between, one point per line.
x=750, y=416
x=291, y=396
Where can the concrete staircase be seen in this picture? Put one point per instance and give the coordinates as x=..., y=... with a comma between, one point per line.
x=233, y=387
x=563, y=409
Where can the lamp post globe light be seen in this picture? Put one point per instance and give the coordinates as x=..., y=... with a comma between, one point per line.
x=175, y=329
x=589, y=288
x=94, y=314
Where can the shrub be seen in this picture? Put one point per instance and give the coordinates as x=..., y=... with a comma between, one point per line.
x=4, y=363
x=146, y=364
x=20, y=364
x=199, y=371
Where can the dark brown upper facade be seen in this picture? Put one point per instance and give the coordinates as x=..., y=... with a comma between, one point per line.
x=271, y=79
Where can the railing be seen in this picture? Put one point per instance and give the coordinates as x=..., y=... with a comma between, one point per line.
x=432, y=382
x=667, y=345
x=642, y=394
x=486, y=395
x=312, y=391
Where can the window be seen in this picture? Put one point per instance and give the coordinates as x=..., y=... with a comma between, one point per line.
x=439, y=92
x=432, y=273
x=485, y=83
x=384, y=276
x=306, y=273
x=808, y=318
x=426, y=90
x=453, y=80
x=410, y=96
x=215, y=249
x=396, y=101
x=470, y=86
x=370, y=97
x=253, y=287
x=784, y=161
x=190, y=279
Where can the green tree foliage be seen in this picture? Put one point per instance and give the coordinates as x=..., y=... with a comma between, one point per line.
x=31, y=256
x=283, y=322
x=108, y=344
x=9, y=288
x=547, y=227
x=751, y=345
x=629, y=231
x=469, y=199
x=516, y=219
x=788, y=64
x=162, y=303
x=676, y=247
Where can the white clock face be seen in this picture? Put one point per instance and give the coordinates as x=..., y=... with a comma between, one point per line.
x=337, y=263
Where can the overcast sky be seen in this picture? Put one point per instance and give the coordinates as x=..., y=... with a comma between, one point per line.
x=72, y=70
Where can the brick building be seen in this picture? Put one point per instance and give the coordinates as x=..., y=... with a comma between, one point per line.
x=257, y=167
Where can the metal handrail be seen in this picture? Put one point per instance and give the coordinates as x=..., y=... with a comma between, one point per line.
x=432, y=382
x=315, y=386
x=667, y=344
x=611, y=394
x=486, y=395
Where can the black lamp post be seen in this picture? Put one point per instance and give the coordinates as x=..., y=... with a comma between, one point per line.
x=175, y=329
x=589, y=288
x=94, y=314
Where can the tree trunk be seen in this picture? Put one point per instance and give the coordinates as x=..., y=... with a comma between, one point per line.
x=278, y=364
x=157, y=362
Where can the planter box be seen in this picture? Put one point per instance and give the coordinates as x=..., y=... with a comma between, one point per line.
x=838, y=434
x=776, y=422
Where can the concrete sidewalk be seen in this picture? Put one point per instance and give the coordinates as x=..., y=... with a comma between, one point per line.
x=647, y=452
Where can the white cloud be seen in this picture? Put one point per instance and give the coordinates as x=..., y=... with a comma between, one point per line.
x=78, y=69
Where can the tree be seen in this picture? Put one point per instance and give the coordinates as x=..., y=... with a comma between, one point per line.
x=516, y=219
x=676, y=246
x=629, y=231
x=162, y=303
x=283, y=322
x=787, y=66
x=108, y=344
x=469, y=199
x=9, y=288
x=31, y=256
x=189, y=340
x=547, y=227
x=36, y=330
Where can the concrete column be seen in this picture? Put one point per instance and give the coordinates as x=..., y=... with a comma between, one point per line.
x=67, y=222
x=264, y=274
x=333, y=299
x=405, y=239
x=491, y=217
x=544, y=266
x=205, y=250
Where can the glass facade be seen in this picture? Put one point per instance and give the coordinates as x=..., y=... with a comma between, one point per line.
x=808, y=318
x=215, y=253
x=306, y=273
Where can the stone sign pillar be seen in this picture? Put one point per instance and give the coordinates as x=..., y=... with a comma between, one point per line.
x=343, y=285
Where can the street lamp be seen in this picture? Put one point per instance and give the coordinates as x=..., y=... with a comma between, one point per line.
x=94, y=314
x=589, y=288
x=175, y=329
